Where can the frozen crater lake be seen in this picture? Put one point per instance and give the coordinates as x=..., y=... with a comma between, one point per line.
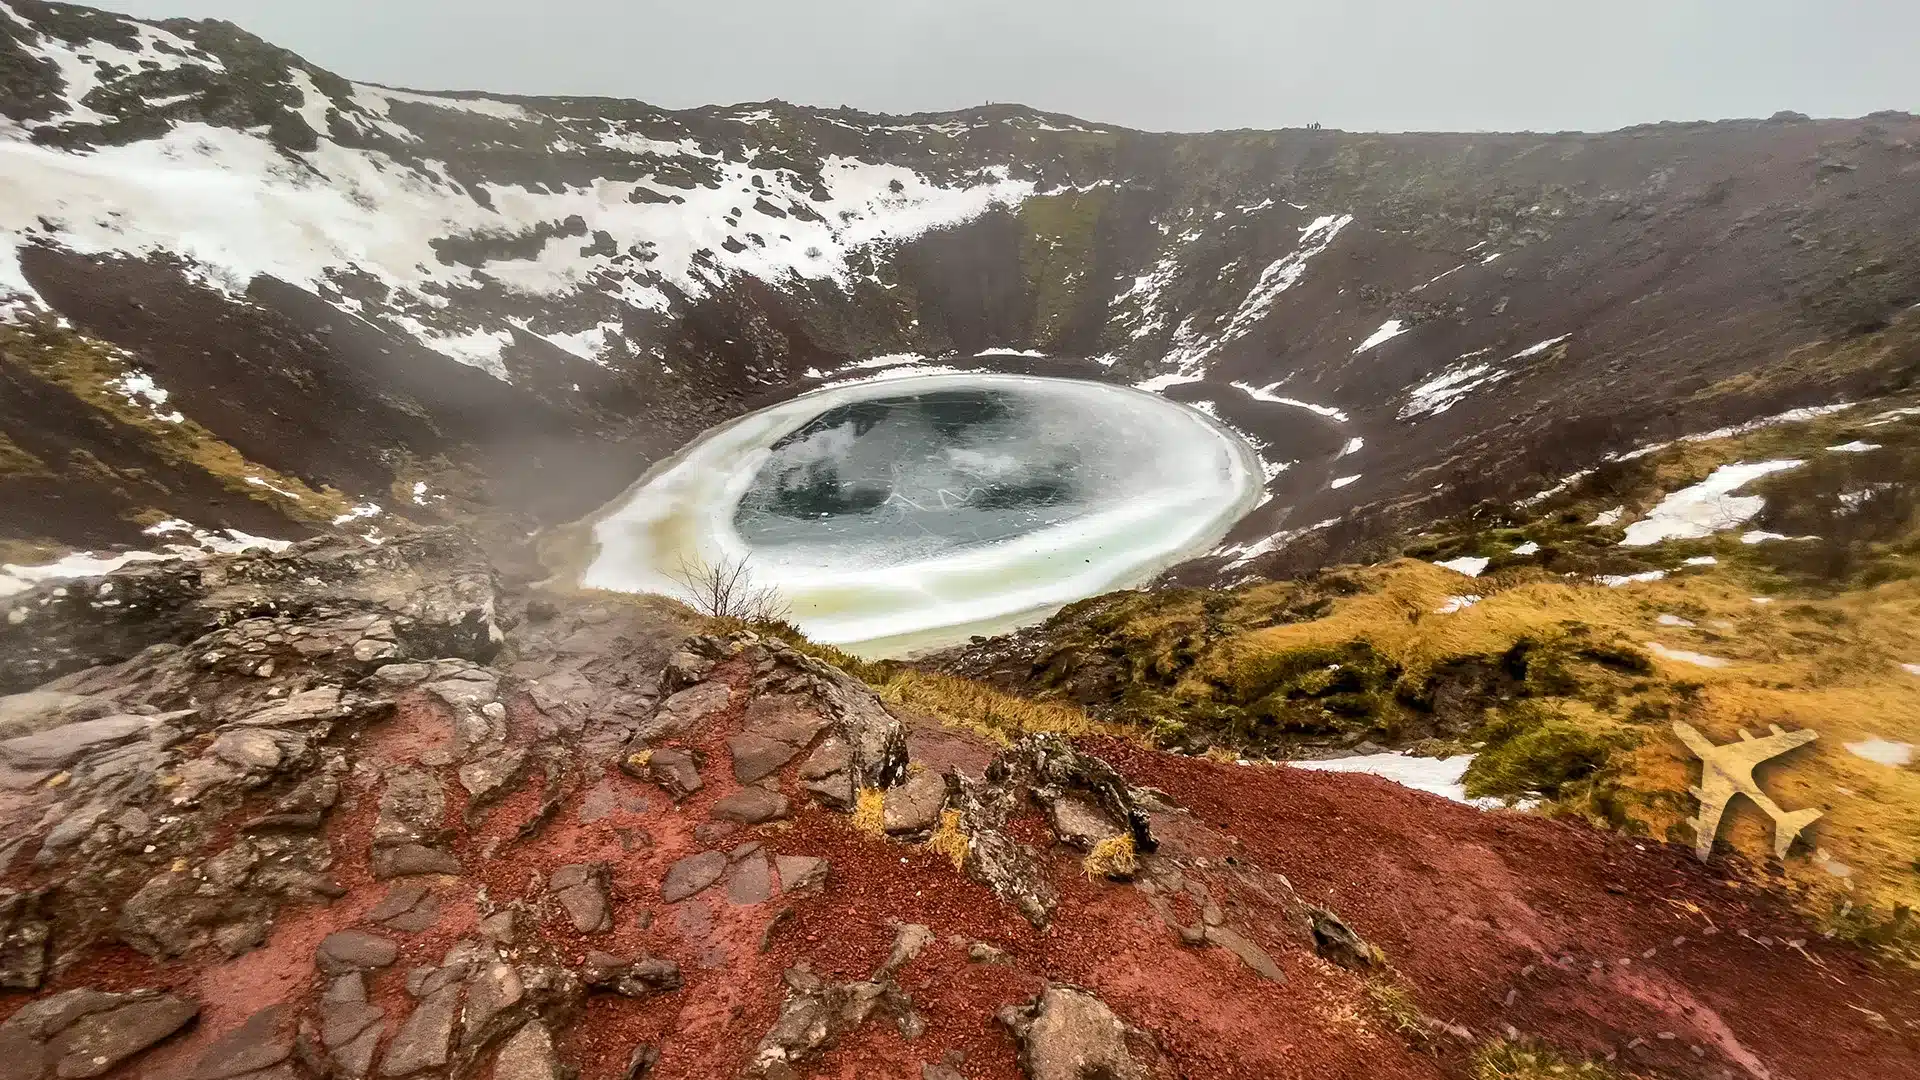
x=907, y=514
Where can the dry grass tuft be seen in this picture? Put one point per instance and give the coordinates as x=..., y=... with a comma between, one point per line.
x=1396, y=1006
x=869, y=813
x=949, y=839
x=985, y=711
x=1506, y=1060
x=1113, y=857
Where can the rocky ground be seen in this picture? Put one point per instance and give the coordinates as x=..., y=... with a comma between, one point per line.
x=351, y=811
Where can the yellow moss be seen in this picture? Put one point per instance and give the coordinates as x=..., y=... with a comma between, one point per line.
x=869, y=812
x=1113, y=857
x=949, y=839
x=639, y=759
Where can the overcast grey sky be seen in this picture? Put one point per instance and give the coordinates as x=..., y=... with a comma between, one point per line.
x=1383, y=65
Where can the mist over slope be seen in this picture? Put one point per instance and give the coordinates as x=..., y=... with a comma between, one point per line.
x=464, y=306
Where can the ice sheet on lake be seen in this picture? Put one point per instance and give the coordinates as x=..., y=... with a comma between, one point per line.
x=915, y=549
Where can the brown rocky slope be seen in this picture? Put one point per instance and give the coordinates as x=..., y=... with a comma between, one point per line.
x=389, y=817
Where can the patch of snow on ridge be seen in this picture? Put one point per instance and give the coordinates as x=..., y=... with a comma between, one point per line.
x=139, y=389
x=1536, y=350
x=261, y=482
x=1531, y=547
x=1855, y=447
x=1470, y=565
x=1245, y=553
x=1686, y=656
x=1435, y=776
x=1707, y=507
x=1607, y=519
x=1882, y=751
x=481, y=106
x=1266, y=394
x=1457, y=603
x=1615, y=581
x=1445, y=390
x=1344, y=481
x=1389, y=330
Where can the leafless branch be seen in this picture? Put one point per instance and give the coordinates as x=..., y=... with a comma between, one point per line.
x=726, y=590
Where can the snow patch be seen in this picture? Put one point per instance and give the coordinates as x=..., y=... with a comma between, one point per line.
x=261, y=482
x=367, y=93
x=15, y=578
x=1456, y=603
x=1536, y=350
x=1615, y=581
x=1470, y=565
x=1266, y=394
x=1389, y=330
x=1882, y=751
x=1436, y=776
x=1707, y=507
x=139, y=389
x=1855, y=447
x=1607, y=519
x=1529, y=548
x=1443, y=391
x=1344, y=481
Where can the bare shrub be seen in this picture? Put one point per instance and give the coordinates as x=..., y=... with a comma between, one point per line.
x=727, y=590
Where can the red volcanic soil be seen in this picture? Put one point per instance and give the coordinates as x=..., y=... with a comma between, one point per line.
x=1595, y=942
x=1498, y=923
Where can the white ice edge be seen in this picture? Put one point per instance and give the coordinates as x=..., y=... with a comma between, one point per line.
x=684, y=507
